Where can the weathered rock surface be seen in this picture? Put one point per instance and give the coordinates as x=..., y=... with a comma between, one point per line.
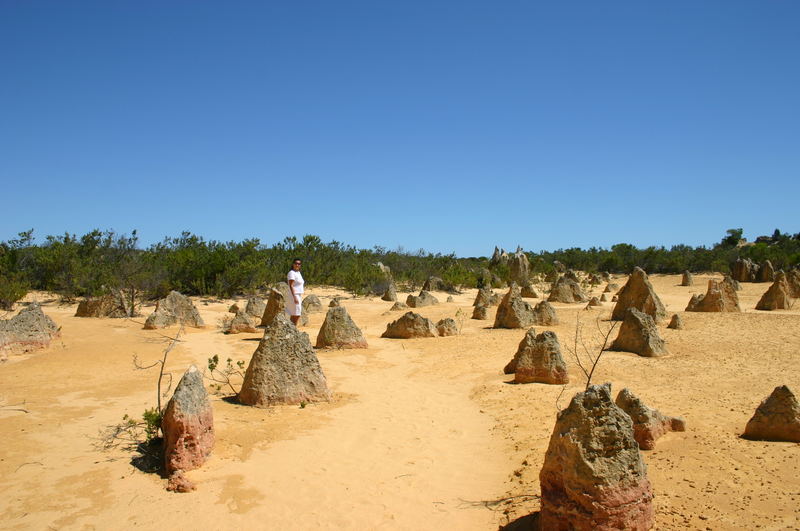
x=436, y=284
x=638, y=293
x=336, y=301
x=793, y=280
x=513, y=312
x=603, y=297
x=233, y=308
x=447, y=327
x=594, y=301
x=390, y=294
x=242, y=323
x=284, y=369
x=481, y=313
x=766, y=273
x=450, y=298
x=529, y=292
x=397, y=306
x=423, y=299
x=538, y=360
x=275, y=304
x=776, y=419
x=720, y=297
x=311, y=304
x=409, y=326
x=29, y=329
x=648, y=424
x=188, y=424
x=734, y=284
x=777, y=296
x=339, y=331
x=676, y=323
x=639, y=334
x=519, y=267
x=544, y=314
x=500, y=256
x=744, y=270
x=687, y=279
x=255, y=307
x=572, y=275
x=113, y=305
x=593, y=476
x=174, y=309
x=566, y=290
x=486, y=297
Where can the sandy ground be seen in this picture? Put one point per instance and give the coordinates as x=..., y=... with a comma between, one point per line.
x=421, y=434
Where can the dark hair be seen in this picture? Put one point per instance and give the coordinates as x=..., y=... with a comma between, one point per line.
x=297, y=260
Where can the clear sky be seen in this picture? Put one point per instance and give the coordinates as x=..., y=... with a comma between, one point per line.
x=451, y=126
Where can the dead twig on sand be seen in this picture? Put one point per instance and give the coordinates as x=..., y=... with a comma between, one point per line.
x=587, y=360
x=491, y=504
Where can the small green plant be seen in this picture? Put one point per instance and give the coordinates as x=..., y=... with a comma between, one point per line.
x=224, y=376
x=152, y=423
x=303, y=404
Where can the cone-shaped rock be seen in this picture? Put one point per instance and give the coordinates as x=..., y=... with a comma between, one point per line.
x=390, y=294
x=188, y=424
x=447, y=327
x=519, y=267
x=777, y=296
x=603, y=297
x=538, y=360
x=687, y=279
x=398, y=306
x=275, y=305
x=544, y=314
x=234, y=308
x=720, y=297
x=552, y=276
x=311, y=304
x=734, y=284
x=594, y=301
x=29, y=329
x=409, y=326
x=339, y=331
x=567, y=290
x=776, y=419
x=638, y=293
x=255, y=307
x=242, y=323
x=172, y=309
x=112, y=304
x=593, y=476
x=513, y=312
x=435, y=284
x=766, y=273
x=481, y=313
x=529, y=292
x=284, y=369
x=639, y=334
x=423, y=299
x=793, y=280
x=648, y=424
x=486, y=297
x=336, y=301
x=676, y=323
x=572, y=275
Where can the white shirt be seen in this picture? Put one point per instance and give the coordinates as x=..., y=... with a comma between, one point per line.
x=297, y=287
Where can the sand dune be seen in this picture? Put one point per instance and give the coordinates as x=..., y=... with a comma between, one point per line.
x=420, y=432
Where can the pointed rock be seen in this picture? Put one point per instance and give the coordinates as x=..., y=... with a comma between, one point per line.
x=513, y=312
x=638, y=334
x=336, y=301
x=594, y=301
x=544, y=314
x=29, y=329
x=676, y=323
x=423, y=299
x=720, y=297
x=242, y=323
x=173, y=309
x=776, y=419
x=339, y=331
x=687, y=279
x=447, y=327
x=638, y=293
x=766, y=273
x=188, y=424
x=481, y=313
x=566, y=290
x=538, y=360
x=255, y=307
x=529, y=292
x=648, y=424
x=519, y=267
x=284, y=369
x=112, y=305
x=275, y=305
x=593, y=476
x=793, y=280
x=311, y=304
x=409, y=326
x=603, y=297
x=734, y=284
x=777, y=296
x=390, y=294
x=486, y=297
x=233, y=308
x=744, y=270
x=398, y=306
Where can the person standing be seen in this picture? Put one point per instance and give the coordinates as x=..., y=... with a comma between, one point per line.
x=294, y=305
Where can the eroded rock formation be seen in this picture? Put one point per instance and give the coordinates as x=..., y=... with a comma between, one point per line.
x=513, y=312
x=720, y=297
x=242, y=323
x=687, y=279
x=174, y=309
x=339, y=331
x=566, y=290
x=638, y=293
x=538, y=360
x=114, y=305
x=777, y=418
x=648, y=424
x=423, y=299
x=544, y=314
x=447, y=327
x=639, y=334
x=29, y=329
x=409, y=326
x=777, y=296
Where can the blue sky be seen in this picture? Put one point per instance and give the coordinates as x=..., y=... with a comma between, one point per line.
x=449, y=126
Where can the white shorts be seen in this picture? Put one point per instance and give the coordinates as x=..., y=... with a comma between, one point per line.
x=292, y=308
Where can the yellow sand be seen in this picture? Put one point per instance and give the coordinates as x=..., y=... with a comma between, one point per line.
x=421, y=434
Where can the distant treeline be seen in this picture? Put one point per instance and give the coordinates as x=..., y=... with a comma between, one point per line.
x=75, y=266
